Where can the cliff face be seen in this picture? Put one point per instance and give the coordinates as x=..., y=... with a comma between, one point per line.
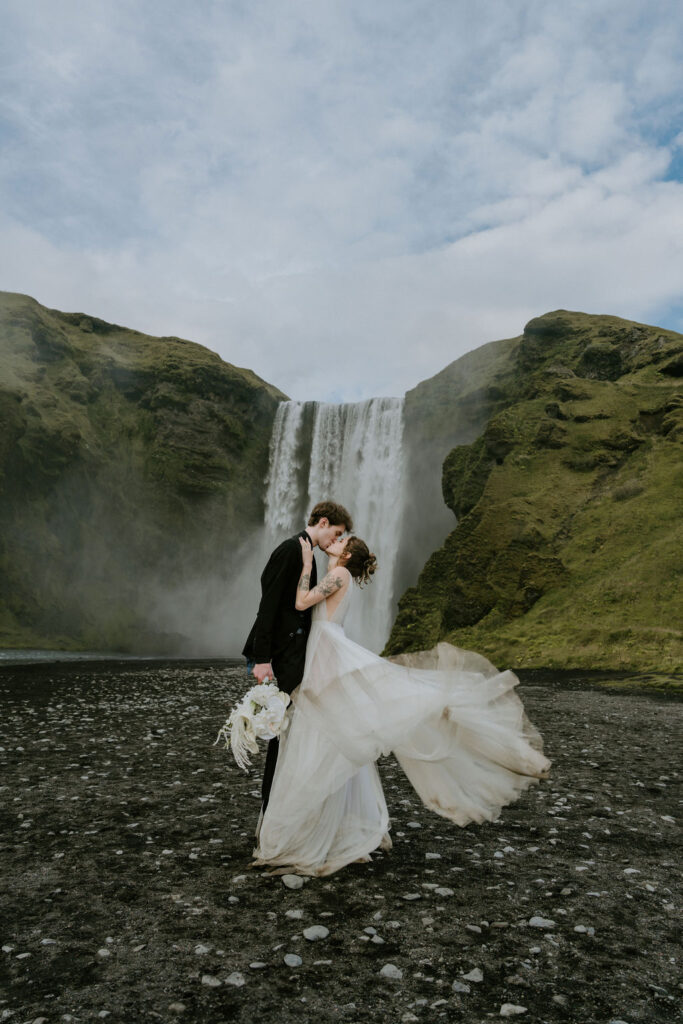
x=567, y=549
x=126, y=464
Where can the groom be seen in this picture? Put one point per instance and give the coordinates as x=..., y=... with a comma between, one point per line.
x=276, y=646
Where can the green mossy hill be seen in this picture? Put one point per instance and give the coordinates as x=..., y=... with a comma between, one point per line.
x=568, y=550
x=126, y=462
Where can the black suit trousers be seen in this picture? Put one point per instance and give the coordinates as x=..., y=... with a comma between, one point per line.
x=288, y=667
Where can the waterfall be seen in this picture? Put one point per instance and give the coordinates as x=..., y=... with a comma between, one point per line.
x=352, y=454
x=281, y=482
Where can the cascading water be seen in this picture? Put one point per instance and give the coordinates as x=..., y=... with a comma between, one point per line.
x=282, y=498
x=352, y=454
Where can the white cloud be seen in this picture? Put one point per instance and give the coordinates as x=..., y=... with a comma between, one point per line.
x=343, y=197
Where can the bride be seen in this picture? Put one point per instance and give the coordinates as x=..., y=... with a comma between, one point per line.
x=453, y=722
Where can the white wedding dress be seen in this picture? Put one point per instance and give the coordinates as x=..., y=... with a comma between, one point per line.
x=454, y=723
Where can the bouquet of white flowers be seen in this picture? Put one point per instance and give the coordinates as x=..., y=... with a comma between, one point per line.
x=261, y=714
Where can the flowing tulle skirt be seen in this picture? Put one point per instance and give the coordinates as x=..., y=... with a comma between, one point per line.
x=454, y=723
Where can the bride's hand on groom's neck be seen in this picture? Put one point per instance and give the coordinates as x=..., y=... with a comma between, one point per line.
x=306, y=551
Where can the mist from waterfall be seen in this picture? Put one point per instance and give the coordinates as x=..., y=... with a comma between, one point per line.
x=352, y=454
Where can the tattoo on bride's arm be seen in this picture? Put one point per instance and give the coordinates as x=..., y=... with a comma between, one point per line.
x=305, y=582
x=329, y=584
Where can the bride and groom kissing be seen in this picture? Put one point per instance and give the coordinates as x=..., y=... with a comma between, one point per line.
x=453, y=722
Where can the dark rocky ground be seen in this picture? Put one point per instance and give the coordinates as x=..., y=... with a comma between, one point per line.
x=127, y=835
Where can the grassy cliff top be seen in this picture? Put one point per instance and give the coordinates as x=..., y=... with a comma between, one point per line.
x=34, y=338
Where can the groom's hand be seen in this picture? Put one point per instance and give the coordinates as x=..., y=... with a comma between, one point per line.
x=263, y=672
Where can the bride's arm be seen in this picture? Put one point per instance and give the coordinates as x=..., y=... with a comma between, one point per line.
x=334, y=581
x=329, y=585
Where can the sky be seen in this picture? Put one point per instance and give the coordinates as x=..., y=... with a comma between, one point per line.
x=342, y=195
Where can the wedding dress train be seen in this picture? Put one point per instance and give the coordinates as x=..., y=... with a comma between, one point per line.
x=453, y=722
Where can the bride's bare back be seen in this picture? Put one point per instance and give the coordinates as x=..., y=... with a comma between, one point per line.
x=331, y=588
x=334, y=586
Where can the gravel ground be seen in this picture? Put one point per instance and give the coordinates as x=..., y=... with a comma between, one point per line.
x=127, y=835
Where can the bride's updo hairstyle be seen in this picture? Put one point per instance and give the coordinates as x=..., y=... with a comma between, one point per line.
x=359, y=560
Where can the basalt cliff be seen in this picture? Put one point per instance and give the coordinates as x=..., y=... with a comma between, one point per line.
x=566, y=484
x=127, y=464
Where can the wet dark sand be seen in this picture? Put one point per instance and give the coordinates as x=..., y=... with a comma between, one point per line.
x=126, y=837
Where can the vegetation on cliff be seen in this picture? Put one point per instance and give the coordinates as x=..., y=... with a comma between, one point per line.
x=127, y=462
x=569, y=537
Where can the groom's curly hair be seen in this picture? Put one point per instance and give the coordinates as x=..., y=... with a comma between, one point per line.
x=335, y=514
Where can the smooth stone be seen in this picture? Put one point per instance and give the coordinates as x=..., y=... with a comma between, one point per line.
x=48, y=942
x=100, y=952
x=200, y=950
x=511, y=1010
x=473, y=928
x=322, y=963
x=258, y=965
x=412, y=896
x=292, y=960
x=476, y=974
x=458, y=986
x=443, y=890
x=294, y=915
x=211, y=981
x=370, y=930
x=413, y=824
x=316, y=932
x=293, y=881
x=391, y=971
x=177, y=1007
x=541, y=922
x=378, y=940
x=432, y=856
x=236, y=978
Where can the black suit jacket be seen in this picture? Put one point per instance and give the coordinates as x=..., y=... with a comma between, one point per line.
x=278, y=621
